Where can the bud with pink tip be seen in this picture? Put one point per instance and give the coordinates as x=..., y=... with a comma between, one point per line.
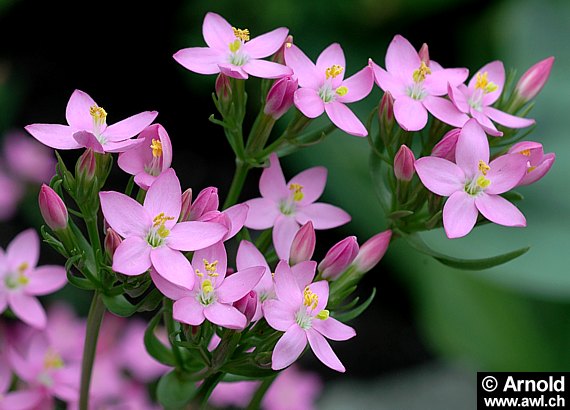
x=303, y=245
x=186, y=205
x=386, y=109
x=533, y=81
x=112, y=242
x=223, y=88
x=247, y=305
x=424, y=54
x=206, y=201
x=52, y=208
x=404, y=164
x=372, y=251
x=280, y=97
x=446, y=147
x=86, y=166
x=338, y=258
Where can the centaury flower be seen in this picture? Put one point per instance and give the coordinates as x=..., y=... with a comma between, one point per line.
x=538, y=163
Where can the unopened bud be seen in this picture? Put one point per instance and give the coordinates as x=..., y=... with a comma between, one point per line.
x=372, y=251
x=386, y=109
x=446, y=147
x=186, y=205
x=52, y=208
x=86, y=166
x=112, y=242
x=424, y=54
x=404, y=164
x=223, y=88
x=280, y=97
x=533, y=81
x=303, y=245
x=247, y=305
x=206, y=201
x=338, y=258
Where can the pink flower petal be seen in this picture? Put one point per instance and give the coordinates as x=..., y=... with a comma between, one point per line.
x=402, y=58
x=28, y=309
x=323, y=216
x=144, y=180
x=485, y=122
x=225, y=315
x=321, y=289
x=508, y=120
x=459, y=214
x=217, y=32
x=333, y=329
x=212, y=254
x=121, y=146
x=125, y=215
x=188, y=310
x=344, y=118
x=313, y=181
x=436, y=82
x=53, y=135
x=237, y=215
x=236, y=286
x=262, y=213
x=266, y=44
x=286, y=286
x=272, y=182
x=233, y=71
x=500, y=211
x=289, y=347
x=496, y=74
x=45, y=280
x=304, y=272
x=23, y=250
x=440, y=176
x=3, y=304
x=278, y=314
x=86, y=139
x=24, y=399
x=132, y=257
x=410, y=113
x=194, y=235
x=505, y=173
x=472, y=147
x=77, y=111
x=173, y=266
x=165, y=196
x=332, y=55
x=168, y=289
x=249, y=256
x=359, y=86
x=458, y=96
x=445, y=111
x=388, y=82
x=129, y=127
x=322, y=349
x=303, y=68
x=283, y=233
x=266, y=69
x=307, y=100
x=201, y=60
x=540, y=171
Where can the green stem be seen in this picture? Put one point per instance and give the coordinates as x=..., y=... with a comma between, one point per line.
x=94, y=319
x=170, y=328
x=260, y=393
x=238, y=181
x=207, y=388
x=93, y=232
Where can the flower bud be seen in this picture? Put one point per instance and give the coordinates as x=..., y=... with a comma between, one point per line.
x=372, y=251
x=338, y=258
x=538, y=163
x=52, y=208
x=112, y=242
x=86, y=166
x=303, y=245
x=386, y=110
x=186, y=205
x=424, y=54
x=446, y=147
x=280, y=97
x=223, y=88
x=533, y=81
x=206, y=201
x=247, y=305
x=404, y=164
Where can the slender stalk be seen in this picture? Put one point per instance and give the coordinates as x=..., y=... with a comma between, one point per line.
x=93, y=232
x=238, y=181
x=206, y=389
x=260, y=393
x=94, y=319
x=170, y=328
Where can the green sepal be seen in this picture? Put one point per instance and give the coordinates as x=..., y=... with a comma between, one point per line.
x=357, y=311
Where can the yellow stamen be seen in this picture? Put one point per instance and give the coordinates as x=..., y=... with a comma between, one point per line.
x=207, y=286
x=323, y=315
x=161, y=219
x=156, y=147
x=53, y=360
x=23, y=280
x=483, y=167
x=211, y=267
x=23, y=267
x=530, y=169
x=198, y=273
x=483, y=182
x=310, y=299
x=483, y=83
x=420, y=74
x=342, y=90
x=98, y=113
x=235, y=45
x=297, y=191
x=288, y=45
x=242, y=34
x=526, y=152
x=162, y=231
x=333, y=71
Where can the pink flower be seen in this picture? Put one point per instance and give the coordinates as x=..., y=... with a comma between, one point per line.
x=231, y=52
x=213, y=293
x=404, y=164
x=27, y=159
x=372, y=251
x=149, y=159
x=293, y=386
x=538, y=163
x=473, y=184
x=418, y=87
x=280, y=97
x=52, y=208
x=323, y=87
x=446, y=147
x=301, y=314
x=286, y=206
x=303, y=245
x=338, y=258
x=534, y=79
x=21, y=280
x=88, y=128
x=235, y=394
x=476, y=98
x=153, y=237
x=206, y=201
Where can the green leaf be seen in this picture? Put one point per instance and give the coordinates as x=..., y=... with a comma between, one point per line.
x=513, y=196
x=247, y=368
x=174, y=391
x=357, y=311
x=418, y=244
x=154, y=346
x=120, y=306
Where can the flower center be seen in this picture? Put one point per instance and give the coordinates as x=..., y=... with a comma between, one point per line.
x=52, y=360
x=525, y=152
x=297, y=190
x=206, y=296
x=158, y=233
x=156, y=147
x=99, y=116
x=417, y=90
x=420, y=74
x=210, y=269
x=242, y=34
x=479, y=184
x=310, y=299
x=237, y=57
x=304, y=316
x=333, y=71
x=18, y=279
x=154, y=166
x=483, y=83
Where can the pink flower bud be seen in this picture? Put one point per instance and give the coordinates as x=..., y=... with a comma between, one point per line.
x=112, y=242
x=206, y=201
x=338, y=258
x=404, y=164
x=247, y=305
x=446, y=147
x=52, y=208
x=538, y=163
x=186, y=205
x=280, y=97
x=372, y=251
x=532, y=82
x=303, y=245
x=424, y=54
x=223, y=88
x=386, y=108
x=86, y=166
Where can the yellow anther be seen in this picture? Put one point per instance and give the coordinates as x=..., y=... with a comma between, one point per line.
x=342, y=90
x=526, y=152
x=323, y=315
x=483, y=83
x=211, y=267
x=235, y=45
x=483, y=182
x=162, y=231
x=156, y=147
x=288, y=45
x=200, y=274
x=530, y=169
x=333, y=71
x=207, y=286
x=242, y=34
x=297, y=190
x=420, y=74
x=310, y=299
x=483, y=167
x=52, y=360
x=161, y=219
x=23, y=280
x=23, y=267
x=272, y=274
x=98, y=113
